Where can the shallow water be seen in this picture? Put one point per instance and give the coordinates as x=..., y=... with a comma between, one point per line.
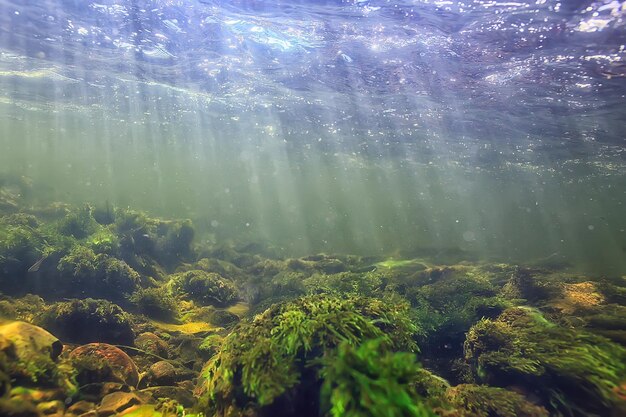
x=450, y=174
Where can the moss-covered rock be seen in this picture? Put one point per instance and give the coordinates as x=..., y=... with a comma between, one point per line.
x=575, y=372
x=29, y=356
x=100, y=362
x=78, y=223
x=368, y=284
x=152, y=344
x=368, y=380
x=89, y=320
x=484, y=401
x=141, y=237
x=270, y=364
x=155, y=302
x=446, y=309
x=206, y=288
x=83, y=273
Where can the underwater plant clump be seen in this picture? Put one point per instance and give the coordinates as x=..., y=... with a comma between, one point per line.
x=206, y=288
x=141, y=237
x=85, y=273
x=575, y=372
x=370, y=381
x=271, y=363
x=446, y=309
x=368, y=284
x=484, y=401
x=155, y=302
x=78, y=224
x=88, y=320
x=21, y=245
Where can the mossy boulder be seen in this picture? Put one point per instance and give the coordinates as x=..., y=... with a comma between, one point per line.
x=78, y=223
x=100, y=362
x=446, y=309
x=89, y=320
x=152, y=344
x=271, y=365
x=141, y=236
x=470, y=400
x=205, y=288
x=30, y=354
x=87, y=274
x=573, y=371
x=156, y=302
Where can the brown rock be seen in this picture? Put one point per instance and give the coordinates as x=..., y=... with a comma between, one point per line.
x=97, y=362
x=30, y=340
x=52, y=408
x=162, y=373
x=96, y=391
x=182, y=396
x=152, y=344
x=117, y=402
x=81, y=407
x=16, y=408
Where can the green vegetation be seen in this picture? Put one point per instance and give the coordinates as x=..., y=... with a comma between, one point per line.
x=484, y=401
x=88, y=320
x=276, y=355
x=87, y=274
x=155, y=302
x=206, y=288
x=575, y=371
x=370, y=381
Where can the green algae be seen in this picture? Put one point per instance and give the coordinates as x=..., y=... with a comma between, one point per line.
x=270, y=356
x=521, y=347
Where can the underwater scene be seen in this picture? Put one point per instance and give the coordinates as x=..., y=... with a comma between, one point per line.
x=312, y=208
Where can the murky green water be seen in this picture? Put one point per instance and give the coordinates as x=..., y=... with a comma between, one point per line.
x=341, y=208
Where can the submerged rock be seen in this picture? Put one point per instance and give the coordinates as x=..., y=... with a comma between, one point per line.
x=575, y=372
x=181, y=395
x=116, y=402
x=265, y=365
x=98, y=362
x=89, y=320
x=29, y=354
x=483, y=401
x=152, y=344
x=29, y=340
x=206, y=288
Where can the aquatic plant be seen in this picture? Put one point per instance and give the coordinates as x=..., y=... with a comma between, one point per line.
x=446, y=309
x=88, y=320
x=484, y=401
x=103, y=241
x=207, y=288
x=574, y=371
x=210, y=345
x=85, y=273
x=21, y=245
x=368, y=284
x=271, y=359
x=370, y=381
x=141, y=236
x=155, y=302
x=78, y=223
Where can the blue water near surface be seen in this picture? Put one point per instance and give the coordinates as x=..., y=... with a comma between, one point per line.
x=476, y=67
